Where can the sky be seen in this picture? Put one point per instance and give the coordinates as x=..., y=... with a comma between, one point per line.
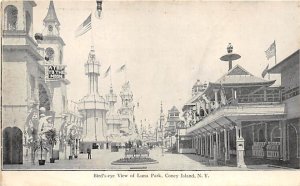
x=168, y=45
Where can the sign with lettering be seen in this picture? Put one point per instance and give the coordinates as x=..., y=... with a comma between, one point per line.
x=54, y=72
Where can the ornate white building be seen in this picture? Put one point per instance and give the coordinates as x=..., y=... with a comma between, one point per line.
x=127, y=110
x=93, y=107
x=113, y=118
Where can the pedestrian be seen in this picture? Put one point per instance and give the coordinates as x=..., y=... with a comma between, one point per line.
x=89, y=153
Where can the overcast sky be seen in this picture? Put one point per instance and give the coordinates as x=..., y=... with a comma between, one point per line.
x=167, y=46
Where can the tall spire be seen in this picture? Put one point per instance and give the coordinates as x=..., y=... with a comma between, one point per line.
x=51, y=15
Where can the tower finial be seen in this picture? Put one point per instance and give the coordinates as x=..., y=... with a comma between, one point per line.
x=51, y=15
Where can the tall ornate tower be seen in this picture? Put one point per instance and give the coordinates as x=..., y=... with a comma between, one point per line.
x=53, y=45
x=93, y=106
x=112, y=117
x=127, y=109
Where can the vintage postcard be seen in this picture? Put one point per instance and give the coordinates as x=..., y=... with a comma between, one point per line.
x=152, y=92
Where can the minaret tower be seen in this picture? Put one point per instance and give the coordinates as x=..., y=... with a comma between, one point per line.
x=93, y=106
x=127, y=109
x=162, y=117
x=112, y=117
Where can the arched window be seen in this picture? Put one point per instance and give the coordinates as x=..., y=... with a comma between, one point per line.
x=49, y=54
x=28, y=22
x=11, y=17
x=261, y=135
x=276, y=134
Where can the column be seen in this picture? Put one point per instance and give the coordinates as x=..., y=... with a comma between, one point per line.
x=202, y=146
x=192, y=142
x=206, y=146
x=216, y=98
x=225, y=146
x=283, y=140
x=217, y=145
x=199, y=144
x=211, y=153
x=228, y=145
x=265, y=95
x=240, y=146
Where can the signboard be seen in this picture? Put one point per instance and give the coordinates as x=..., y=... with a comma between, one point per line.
x=54, y=72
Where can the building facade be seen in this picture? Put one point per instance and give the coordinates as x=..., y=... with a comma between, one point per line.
x=244, y=120
x=25, y=85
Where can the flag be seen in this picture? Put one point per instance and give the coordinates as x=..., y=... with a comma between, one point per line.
x=265, y=71
x=107, y=72
x=223, y=97
x=271, y=51
x=84, y=27
x=123, y=67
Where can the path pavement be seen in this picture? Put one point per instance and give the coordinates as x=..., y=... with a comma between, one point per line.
x=101, y=160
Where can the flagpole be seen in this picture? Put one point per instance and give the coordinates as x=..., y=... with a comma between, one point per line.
x=110, y=77
x=92, y=33
x=125, y=72
x=275, y=52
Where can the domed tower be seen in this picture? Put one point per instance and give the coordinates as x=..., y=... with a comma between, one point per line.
x=112, y=117
x=198, y=87
x=93, y=106
x=127, y=108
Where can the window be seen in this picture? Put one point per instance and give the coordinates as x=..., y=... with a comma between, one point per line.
x=276, y=135
x=11, y=17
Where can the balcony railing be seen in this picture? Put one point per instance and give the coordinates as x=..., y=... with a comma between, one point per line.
x=259, y=98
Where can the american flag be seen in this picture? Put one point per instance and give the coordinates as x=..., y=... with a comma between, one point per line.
x=271, y=51
x=85, y=26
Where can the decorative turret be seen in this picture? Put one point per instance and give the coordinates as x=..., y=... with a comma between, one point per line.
x=51, y=21
x=93, y=106
x=198, y=87
x=112, y=117
x=162, y=117
x=127, y=108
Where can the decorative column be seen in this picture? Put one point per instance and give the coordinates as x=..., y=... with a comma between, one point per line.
x=240, y=146
x=206, y=146
x=225, y=146
x=201, y=149
x=228, y=144
x=283, y=139
x=211, y=142
x=216, y=98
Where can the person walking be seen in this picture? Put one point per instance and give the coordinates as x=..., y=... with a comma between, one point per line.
x=89, y=152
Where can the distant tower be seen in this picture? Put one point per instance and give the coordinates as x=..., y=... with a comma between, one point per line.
x=230, y=56
x=53, y=45
x=112, y=117
x=127, y=109
x=93, y=106
x=162, y=117
x=198, y=87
